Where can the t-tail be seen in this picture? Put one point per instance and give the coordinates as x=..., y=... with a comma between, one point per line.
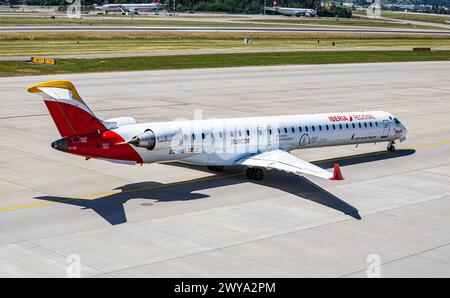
x=82, y=132
x=70, y=113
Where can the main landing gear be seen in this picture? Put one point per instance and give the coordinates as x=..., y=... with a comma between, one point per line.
x=215, y=168
x=391, y=146
x=254, y=174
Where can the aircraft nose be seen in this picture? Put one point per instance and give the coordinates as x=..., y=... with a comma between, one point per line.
x=60, y=145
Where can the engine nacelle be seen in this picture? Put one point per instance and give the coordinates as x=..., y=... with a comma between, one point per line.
x=156, y=139
x=120, y=121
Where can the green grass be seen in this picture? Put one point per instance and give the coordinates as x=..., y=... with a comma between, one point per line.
x=417, y=17
x=64, y=66
x=60, y=43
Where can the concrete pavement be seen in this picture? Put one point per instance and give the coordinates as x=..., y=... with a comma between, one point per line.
x=162, y=220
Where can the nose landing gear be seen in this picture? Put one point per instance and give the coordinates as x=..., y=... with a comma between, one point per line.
x=391, y=146
x=254, y=174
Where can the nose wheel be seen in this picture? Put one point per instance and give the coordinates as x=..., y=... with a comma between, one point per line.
x=391, y=146
x=254, y=174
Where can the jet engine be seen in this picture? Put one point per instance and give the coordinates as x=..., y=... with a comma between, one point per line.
x=157, y=139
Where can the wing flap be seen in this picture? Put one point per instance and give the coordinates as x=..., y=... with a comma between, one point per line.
x=284, y=161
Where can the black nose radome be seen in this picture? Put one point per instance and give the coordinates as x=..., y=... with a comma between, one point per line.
x=60, y=145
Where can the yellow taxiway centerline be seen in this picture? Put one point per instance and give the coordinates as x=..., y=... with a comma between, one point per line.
x=206, y=179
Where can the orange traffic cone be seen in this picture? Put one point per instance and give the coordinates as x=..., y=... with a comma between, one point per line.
x=337, y=175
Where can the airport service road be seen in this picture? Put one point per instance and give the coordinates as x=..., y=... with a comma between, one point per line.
x=172, y=221
x=219, y=29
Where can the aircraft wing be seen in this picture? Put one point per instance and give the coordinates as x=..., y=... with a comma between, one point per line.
x=284, y=161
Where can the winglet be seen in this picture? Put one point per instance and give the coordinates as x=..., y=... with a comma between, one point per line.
x=337, y=175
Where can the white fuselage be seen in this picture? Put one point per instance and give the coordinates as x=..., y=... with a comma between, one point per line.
x=294, y=11
x=129, y=7
x=224, y=141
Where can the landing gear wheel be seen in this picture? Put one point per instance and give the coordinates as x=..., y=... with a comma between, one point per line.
x=258, y=175
x=249, y=173
x=254, y=174
x=215, y=168
x=391, y=146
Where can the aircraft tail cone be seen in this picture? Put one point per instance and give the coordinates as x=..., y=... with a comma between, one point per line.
x=337, y=175
x=134, y=141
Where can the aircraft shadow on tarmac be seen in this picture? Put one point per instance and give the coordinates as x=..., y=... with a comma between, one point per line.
x=111, y=207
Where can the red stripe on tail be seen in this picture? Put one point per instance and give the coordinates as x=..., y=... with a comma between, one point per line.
x=71, y=120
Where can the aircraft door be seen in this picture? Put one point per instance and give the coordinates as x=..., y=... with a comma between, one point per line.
x=386, y=128
x=268, y=136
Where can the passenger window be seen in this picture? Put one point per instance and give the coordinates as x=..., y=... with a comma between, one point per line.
x=334, y=126
x=278, y=131
x=359, y=124
x=353, y=125
x=293, y=129
x=285, y=130
x=300, y=129
x=193, y=136
x=346, y=125
x=320, y=127
x=270, y=131
x=203, y=136
x=248, y=132
x=340, y=126
x=376, y=124
x=365, y=124
x=313, y=128
x=306, y=128
x=370, y=124
x=327, y=127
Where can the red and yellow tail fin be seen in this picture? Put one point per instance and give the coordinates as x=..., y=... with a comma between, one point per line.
x=69, y=112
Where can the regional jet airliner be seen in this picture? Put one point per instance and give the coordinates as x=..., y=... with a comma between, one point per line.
x=255, y=142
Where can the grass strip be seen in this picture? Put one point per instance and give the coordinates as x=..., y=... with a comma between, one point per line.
x=65, y=66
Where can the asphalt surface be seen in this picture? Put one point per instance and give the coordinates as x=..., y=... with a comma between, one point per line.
x=169, y=221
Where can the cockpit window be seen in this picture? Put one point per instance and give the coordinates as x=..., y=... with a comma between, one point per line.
x=397, y=121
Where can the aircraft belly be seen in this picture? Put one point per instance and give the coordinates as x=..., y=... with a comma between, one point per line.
x=212, y=159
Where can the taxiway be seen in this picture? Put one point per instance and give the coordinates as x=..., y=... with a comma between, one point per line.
x=168, y=221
